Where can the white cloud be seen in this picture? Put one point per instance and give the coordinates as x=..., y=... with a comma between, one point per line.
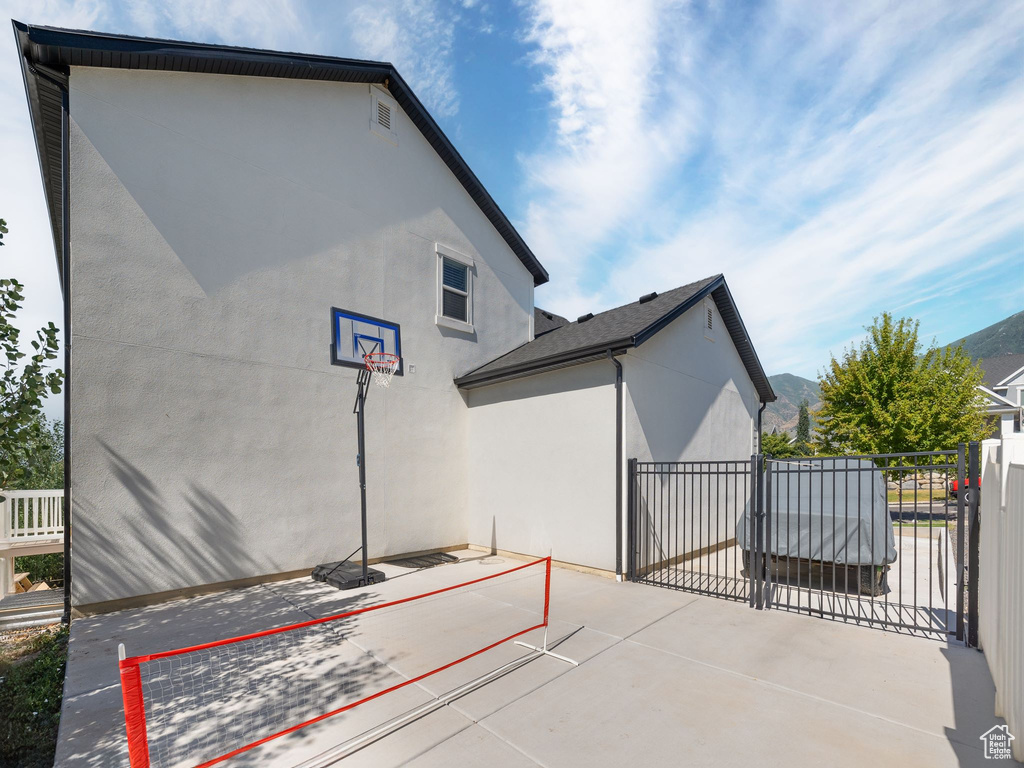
x=249, y=23
x=832, y=160
x=417, y=36
x=613, y=135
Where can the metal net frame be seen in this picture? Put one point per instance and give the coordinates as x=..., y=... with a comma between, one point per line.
x=201, y=705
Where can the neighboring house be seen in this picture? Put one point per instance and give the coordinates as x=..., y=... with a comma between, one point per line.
x=1003, y=391
x=210, y=206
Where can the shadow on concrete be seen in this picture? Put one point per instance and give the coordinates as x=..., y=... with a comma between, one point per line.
x=203, y=704
x=973, y=703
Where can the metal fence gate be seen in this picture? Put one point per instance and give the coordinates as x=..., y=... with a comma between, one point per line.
x=889, y=541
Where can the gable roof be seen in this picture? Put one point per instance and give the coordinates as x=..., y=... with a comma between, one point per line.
x=545, y=322
x=48, y=52
x=996, y=403
x=998, y=370
x=619, y=329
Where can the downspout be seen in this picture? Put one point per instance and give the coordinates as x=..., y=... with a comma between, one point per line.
x=618, y=466
x=65, y=217
x=759, y=412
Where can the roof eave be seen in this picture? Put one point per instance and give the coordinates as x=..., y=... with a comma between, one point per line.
x=1006, y=382
x=997, y=399
x=31, y=78
x=73, y=47
x=734, y=324
x=552, y=362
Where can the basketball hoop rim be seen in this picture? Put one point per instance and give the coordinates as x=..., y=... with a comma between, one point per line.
x=383, y=366
x=377, y=360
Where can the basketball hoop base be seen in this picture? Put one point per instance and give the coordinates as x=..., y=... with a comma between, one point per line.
x=346, y=575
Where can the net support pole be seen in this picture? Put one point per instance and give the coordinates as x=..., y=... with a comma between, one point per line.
x=361, y=461
x=547, y=605
x=134, y=711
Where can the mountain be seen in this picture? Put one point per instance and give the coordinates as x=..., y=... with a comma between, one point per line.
x=785, y=412
x=1003, y=338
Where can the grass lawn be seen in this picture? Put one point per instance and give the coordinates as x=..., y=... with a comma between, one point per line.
x=920, y=523
x=31, y=687
x=924, y=495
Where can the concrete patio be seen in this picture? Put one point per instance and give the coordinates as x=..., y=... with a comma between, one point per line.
x=665, y=678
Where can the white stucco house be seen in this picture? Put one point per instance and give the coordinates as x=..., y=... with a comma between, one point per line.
x=215, y=211
x=1003, y=392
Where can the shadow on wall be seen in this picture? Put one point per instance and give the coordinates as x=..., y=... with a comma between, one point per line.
x=154, y=546
x=222, y=216
x=693, y=431
x=230, y=212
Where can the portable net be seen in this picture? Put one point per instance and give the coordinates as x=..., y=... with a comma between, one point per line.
x=202, y=705
x=383, y=366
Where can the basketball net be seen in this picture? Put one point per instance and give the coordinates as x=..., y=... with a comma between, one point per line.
x=383, y=366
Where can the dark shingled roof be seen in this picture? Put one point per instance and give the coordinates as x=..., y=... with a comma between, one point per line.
x=998, y=368
x=545, y=322
x=617, y=330
x=48, y=52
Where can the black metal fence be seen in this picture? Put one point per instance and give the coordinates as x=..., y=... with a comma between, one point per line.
x=684, y=517
x=880, y=540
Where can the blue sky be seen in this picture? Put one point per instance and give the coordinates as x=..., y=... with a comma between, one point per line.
x=834, y=160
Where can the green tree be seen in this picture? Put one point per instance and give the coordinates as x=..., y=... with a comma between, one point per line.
x=777, y=446
x=888, y=397
x=42, y=461
x=24, y=381
x=803, y=424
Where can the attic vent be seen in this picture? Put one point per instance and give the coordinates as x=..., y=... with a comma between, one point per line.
x=710, y=319
x=584, y=318
x=383, y=115
x=648, y=297
x=548, y=315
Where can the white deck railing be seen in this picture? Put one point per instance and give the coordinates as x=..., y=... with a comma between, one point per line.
x=1001, y=582
x=29, y=515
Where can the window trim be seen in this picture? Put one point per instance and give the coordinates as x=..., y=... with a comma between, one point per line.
x=443, y=252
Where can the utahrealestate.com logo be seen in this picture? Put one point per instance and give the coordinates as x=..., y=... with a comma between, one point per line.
x=997, y=743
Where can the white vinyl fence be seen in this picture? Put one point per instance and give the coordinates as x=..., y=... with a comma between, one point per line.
x=31, y=514
x=31, y=522
x=1001, y=580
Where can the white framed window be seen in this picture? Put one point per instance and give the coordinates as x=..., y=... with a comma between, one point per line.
x=710, y=319
x=454, y=289
x=383, y=115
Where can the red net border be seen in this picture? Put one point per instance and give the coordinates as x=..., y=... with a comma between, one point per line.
x=131, y=677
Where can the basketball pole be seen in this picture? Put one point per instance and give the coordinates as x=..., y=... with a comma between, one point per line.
x=362, y=381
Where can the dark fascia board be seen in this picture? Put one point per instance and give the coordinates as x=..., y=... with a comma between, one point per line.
x=62, y=48
x=741, y=338
x=39, y=82
x=561, y=360
x=717, y=288
x=511, y=373
x=677, y=312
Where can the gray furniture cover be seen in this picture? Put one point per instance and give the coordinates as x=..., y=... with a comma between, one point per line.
x=832, y=511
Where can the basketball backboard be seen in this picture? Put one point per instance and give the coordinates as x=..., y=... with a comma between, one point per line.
x=353, y=336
